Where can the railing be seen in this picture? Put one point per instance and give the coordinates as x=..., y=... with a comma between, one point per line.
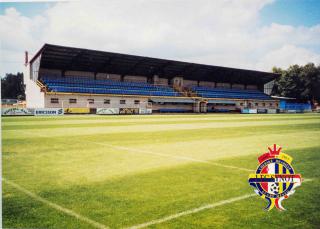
x=18, y=105
x=43, y=87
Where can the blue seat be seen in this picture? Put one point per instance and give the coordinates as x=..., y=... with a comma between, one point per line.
x=87, y=85
x=208, y=92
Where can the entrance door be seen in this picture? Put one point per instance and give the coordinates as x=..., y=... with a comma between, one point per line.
x=203, y=107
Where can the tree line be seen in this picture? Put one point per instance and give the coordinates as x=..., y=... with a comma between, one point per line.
x=12, y=86
x=300, y=82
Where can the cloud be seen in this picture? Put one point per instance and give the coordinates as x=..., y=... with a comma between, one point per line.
x=221, y=32
x=288, y=55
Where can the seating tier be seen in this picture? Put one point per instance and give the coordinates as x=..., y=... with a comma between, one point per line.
x=85, y=85
x=208, y=92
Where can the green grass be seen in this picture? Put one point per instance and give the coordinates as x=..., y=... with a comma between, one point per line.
x=123, y=171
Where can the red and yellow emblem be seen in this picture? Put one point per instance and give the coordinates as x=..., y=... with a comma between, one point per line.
x=275, y=179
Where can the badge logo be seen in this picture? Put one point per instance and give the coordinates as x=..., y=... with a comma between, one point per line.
x=275, y=179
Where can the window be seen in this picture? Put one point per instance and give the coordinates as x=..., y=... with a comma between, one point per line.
x=241, y=104
x=263, y=104
x=137, y=102
x=256, y=104
x=54, y=100
x=91, y=101
x=122, y=101
x=270, y=104
x=106, y=101
x=72, y=100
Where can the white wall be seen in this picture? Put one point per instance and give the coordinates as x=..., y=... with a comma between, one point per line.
x=163, y=81
x=135, y=79
x=156, y=107
x=34, y=96
x=79, y=74
x=267, y=88
x=113, y=77
x=206, y=84
x=223, y=85
x=82, y=101
x=238, y=86
x=50, y=72
x=253, y=87
x=101, y=76
x=190, y=83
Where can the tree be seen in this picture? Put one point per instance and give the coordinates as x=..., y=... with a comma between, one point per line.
x=300, y=82
x=12, y=86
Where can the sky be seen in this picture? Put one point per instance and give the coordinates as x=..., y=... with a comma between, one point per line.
x=249, y=34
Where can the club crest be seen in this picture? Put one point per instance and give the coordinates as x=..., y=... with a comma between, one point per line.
x=275, y=179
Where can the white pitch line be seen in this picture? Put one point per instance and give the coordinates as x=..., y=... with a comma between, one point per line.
x=195, y=210
x=56, y=206
x=170, y=156
x=159, y=154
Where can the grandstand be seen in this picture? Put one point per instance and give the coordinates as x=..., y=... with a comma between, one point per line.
x=67, y=77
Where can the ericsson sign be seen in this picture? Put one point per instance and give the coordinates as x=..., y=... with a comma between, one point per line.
x=48, y=111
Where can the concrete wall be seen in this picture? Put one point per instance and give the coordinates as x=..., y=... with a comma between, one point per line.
x=252, y=87
x=156, y=107
x=206, y=84
x=190, y=83
x=267, y=88
x=177, y=81
x=238, y=86
x=163, y=81
x=160, y=81
x=223, y=85
x=58, y=73
x=113, y=77
x=258, y=104
x=34, y=96
x=135, y=79
x=101, y=76
x=229, y=107
x=82, y=101
x=79, y=74
x=49, y=72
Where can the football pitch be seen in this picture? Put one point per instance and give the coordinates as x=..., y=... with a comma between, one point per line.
x=157, y=171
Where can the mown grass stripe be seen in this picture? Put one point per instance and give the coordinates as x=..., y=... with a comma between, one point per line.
x=196, y=210
x=55, y=206
x=184, y=158
x=160, y=128
x=153, y=119
x=155, y=116
x=192, y=211
x=170, y=156
x=113, y=122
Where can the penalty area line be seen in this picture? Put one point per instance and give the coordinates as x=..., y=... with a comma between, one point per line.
x=55, y=206
x=184, y=158
x=199, y=209
x=192, y=211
